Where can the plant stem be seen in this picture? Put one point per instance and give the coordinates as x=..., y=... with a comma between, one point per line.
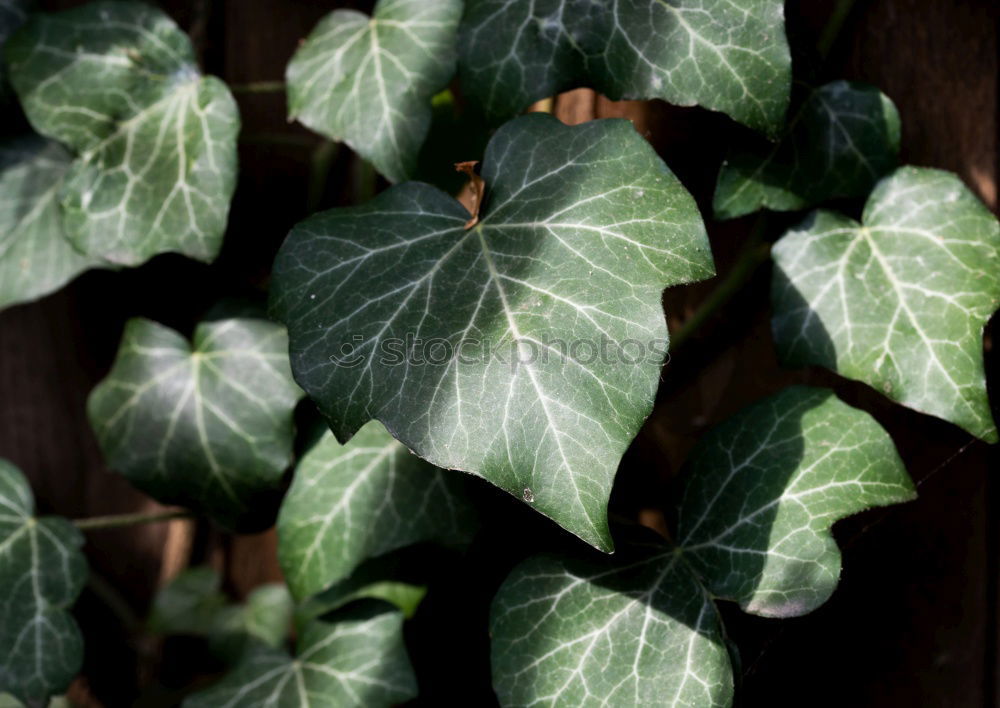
x=364, y=178
x=754, y=252
x=258, y=87
x=113, y=600
x=833, y=26
x=319, y=171
x=119, y=520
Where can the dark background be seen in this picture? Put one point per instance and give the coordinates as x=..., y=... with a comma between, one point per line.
x=914, y=621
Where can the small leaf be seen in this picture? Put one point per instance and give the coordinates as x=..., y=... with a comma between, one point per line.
x=118, y=83
x=360, y=500
x=355, y=659
x=193, y=604
x=899, y=301
x=843, y=139
x=369, y=81
x=207, y=426
x=35, y=256
x=526, y=350
x=635, y=630
x=763, y=489
x=42, y=571
x=726, y=55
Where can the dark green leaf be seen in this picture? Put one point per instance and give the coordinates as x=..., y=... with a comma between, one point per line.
x=42, y=571
x=842, y=140
x=726, y=55
x=360, y=500
x=368, y=81
x=900, y=300
x=526, y=350
x=207, y=425
x=355, y=659
x=118, y=83
x=764, y=488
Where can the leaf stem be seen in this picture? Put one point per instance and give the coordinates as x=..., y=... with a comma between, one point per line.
x=755, y=251
x=119, y=520
x=113, y=600
x=831, y=30
x=319, y=172
x=258, y=87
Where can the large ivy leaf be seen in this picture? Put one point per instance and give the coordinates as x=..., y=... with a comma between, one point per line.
x=207, y=425
x=369, y=81
x=35, y=256
x=360, y=500
x=357, y=658
x=118, y=83
x=42, y=571
x=761, y=492
x=900, y=300
x=842, y=140
x=726, y=55
x=764, y=488
x=499, y=349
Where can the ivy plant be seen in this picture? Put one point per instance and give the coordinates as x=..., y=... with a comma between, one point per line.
x=432, y=373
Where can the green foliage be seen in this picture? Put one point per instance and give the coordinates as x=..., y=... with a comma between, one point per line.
x=582, y=229
x=841, y=141
x=761, y=493
x=155, y=141
x=207, y=424
x=354, y=658
x=360, y=500
x=369, y=81
x=727, y=55
x=42, y=571
x=900, y=300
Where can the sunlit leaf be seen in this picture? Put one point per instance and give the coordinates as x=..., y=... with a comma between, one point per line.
x=156, y=141
x=206, y=424
x=368, y=81
x=526, y=350
x=900, y=300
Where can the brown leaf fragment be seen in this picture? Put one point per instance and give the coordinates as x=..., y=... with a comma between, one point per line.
x=473, y=191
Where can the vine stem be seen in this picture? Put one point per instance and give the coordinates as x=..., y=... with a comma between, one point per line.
x=119, y=520
x=831, y=30
x=755, y=251
x=258, y=87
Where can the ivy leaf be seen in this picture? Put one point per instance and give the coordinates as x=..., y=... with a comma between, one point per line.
x=118, y=83
x=638, y=630
x=842, y=140
x=356, y=659
x=764, y=488
x=360, y=500
x=725, y=55
x=399, y=578
x=761, y=492
x=207, y=425
x=900, y=300
x=35, y=256
x=42, y=571
x=369, y=81
x=194, y=604
x=526, y=350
